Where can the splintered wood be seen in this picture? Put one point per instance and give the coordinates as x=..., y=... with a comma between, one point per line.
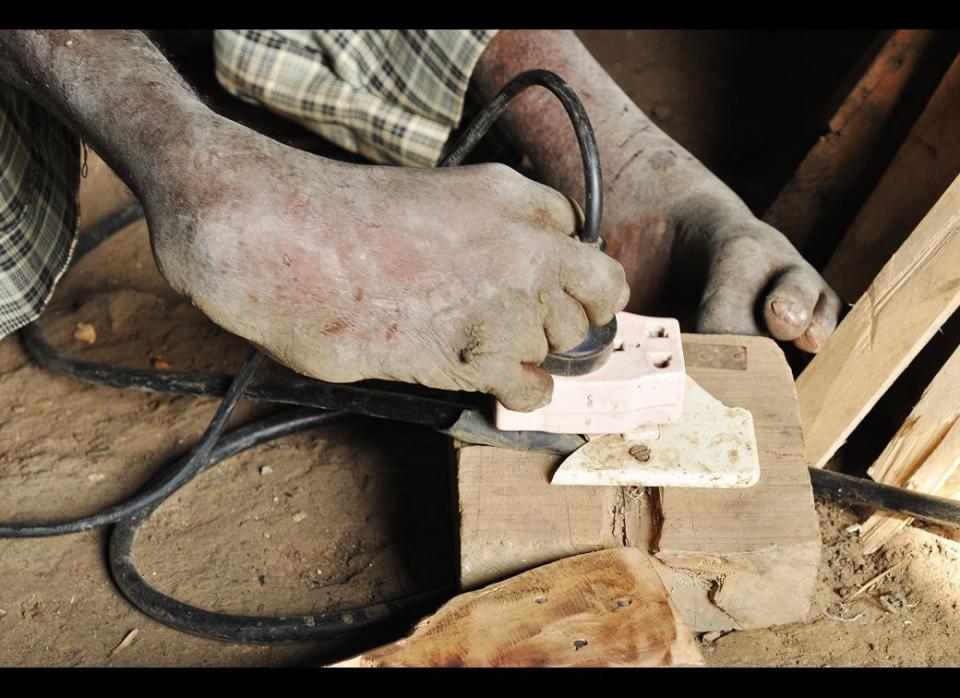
x=744, y=558
x=603, y=609
x=911, y=297
x=923, y=455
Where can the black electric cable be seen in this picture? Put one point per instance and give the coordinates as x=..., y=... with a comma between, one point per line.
x=162, y=486
x=213, y=447
x=239, y=628
x=586, y=140
x=432, y=408
x=899, y=500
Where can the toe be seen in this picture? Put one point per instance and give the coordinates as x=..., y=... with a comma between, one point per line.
x=727, y=311
x=597, y=281
x=789, y=306
x=565, y=323
x=523, y=388
x=824, y=322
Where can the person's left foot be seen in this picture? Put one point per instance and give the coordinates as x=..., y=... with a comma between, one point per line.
x=754, y=280
x=660, y=203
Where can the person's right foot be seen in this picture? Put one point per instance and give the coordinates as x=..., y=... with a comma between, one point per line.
x=459, y=278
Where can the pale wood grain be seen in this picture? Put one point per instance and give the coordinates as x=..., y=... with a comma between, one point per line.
x=911, y=297
x=602, y=609
x=758, y=548
x=923, y=455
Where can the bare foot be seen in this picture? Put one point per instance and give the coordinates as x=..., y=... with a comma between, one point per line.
x=459, y=278
x=754, y=281
x=665, y=213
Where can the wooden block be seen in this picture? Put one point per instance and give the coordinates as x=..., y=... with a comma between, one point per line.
x=911, y=297
x=730, y=558
x=512, y=519
x=602, y=609
x=838, y=161
x=923, y=455
x=758, y=548
x=923, y=167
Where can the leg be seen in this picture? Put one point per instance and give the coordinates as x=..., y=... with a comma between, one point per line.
x=665, y=212
x=340, y=271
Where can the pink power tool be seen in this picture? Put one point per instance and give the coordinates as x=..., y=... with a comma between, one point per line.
x=640, y=383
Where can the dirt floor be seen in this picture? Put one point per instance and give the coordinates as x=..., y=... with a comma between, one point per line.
x=314, y=520
x=350, y=513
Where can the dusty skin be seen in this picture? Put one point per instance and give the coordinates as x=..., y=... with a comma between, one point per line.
x=450, y=279
x=665, y=213
x=459, y=279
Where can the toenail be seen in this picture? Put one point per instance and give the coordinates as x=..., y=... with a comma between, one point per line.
x=788, y=312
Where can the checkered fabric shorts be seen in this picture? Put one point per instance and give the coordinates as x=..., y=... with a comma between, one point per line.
x=392, y=96
x=39, y=177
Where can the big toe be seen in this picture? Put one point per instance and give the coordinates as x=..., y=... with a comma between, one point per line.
x=790, y=302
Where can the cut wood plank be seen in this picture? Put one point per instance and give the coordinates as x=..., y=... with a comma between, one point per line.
x=734, y=558
x=911, y=297
x=924, y=428
x=942, y=482
x=923, y=455
x=923, y=167
x=603, y=609
x=838, y=161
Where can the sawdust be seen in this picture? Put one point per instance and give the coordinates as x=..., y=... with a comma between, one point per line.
x=897, y=607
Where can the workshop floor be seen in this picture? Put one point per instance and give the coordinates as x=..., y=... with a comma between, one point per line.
x=336, y=517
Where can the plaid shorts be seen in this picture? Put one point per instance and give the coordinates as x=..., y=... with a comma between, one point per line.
x=392, y=96
x=39, y=178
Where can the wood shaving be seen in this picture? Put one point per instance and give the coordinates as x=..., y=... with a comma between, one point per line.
x=85, y=332
x=874, y=581
x=840, y=619
x=127, y=640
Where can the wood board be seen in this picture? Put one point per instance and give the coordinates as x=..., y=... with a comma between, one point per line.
x=602, y=609
x=908, y=301
x=842, y=156
x=923, y=455
x=923, y=168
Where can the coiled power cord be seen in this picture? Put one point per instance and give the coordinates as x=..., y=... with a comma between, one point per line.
x=215, y=446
